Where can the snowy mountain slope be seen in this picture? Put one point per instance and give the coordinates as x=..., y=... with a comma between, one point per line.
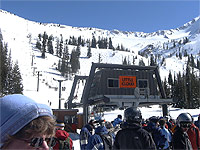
x=21, y=36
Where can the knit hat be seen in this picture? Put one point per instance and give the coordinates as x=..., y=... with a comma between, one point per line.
x=16, y=112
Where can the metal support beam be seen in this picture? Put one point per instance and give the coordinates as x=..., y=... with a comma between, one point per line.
x=71, y=96
x=162, y=91
x=60, y=81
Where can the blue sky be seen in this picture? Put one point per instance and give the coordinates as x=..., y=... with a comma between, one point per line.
x=131, y=15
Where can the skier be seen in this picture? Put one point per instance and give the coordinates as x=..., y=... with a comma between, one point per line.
x=117, y=120
x=180, y=139
x=155, y=131
x=85, y=134
x=132, y=136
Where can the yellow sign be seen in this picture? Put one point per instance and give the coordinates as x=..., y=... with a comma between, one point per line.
x=127, y=81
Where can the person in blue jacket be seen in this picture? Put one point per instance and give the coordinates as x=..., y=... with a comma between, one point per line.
x=95, y=141
x=85, y=134
x=117, y=120
x=158, y=137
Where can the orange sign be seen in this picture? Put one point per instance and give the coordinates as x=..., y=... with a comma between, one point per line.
x=127, y=81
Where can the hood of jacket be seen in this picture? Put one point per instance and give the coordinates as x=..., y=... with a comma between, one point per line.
x=101, y=130
x=62, y=134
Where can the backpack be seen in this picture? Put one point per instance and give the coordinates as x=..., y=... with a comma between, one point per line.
x=107, y=141
x=64, y=145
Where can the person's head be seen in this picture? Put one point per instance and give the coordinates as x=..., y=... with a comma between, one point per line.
x=184, y=120
x=109, y=126
x=60, y=125
x=154, y=119
x=162, y=122
x=25, y=124
x=99, y=121
x=91, y=122
x=133, y=115
x=119, y=116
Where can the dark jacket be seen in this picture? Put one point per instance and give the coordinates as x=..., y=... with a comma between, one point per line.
x=95, y=141
x=180, y=140
x=132, y=136
x=157, y=135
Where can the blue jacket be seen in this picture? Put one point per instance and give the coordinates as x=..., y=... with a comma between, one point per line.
x=84, y=137
x=157, y=135
x=168, y=136
x=95, y=141
x=116, y=121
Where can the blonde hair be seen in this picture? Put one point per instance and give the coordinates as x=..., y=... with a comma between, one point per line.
x=44, y=125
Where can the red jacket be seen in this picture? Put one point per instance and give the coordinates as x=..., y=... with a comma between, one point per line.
x=194, y=136
x=62, y=135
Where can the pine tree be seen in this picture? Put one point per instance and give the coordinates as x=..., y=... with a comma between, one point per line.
x=188, y=86
x=110, y=46
x=79, y=40
x=170, y=80
x=133, y=60
x=9, y=78
x=141, y=62
x=40, y=37
x=4, y=66
x=50, y=45
x=44, y=43
x=180, y=55
x=74, y=61
x=63, y=67
x=93, y=44
x=38, y=45
x=13, y=82
x=152, y=61
x=57, y=47
x=89, y=53
x=198, y=64
x=60, y=50
x=1, y=65
x=100, y=59
x=166, y=88
x=125, y=61
x=17, y=80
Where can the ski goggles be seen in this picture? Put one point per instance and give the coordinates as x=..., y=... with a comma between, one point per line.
x=38, y=142
x=185, y=124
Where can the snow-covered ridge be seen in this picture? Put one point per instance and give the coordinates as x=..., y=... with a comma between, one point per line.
x=192, y=27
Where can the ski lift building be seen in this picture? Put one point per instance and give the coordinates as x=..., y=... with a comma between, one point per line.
x=129, y=86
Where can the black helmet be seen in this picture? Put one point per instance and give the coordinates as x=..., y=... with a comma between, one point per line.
x=133, y=115
x=119, y=116
x=154, y=119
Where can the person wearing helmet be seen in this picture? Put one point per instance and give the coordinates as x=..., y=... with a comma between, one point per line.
x=180, y=139
x=132, y=136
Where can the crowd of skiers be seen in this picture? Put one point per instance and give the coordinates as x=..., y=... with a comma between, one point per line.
x=26, y=124
x=135, y=133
